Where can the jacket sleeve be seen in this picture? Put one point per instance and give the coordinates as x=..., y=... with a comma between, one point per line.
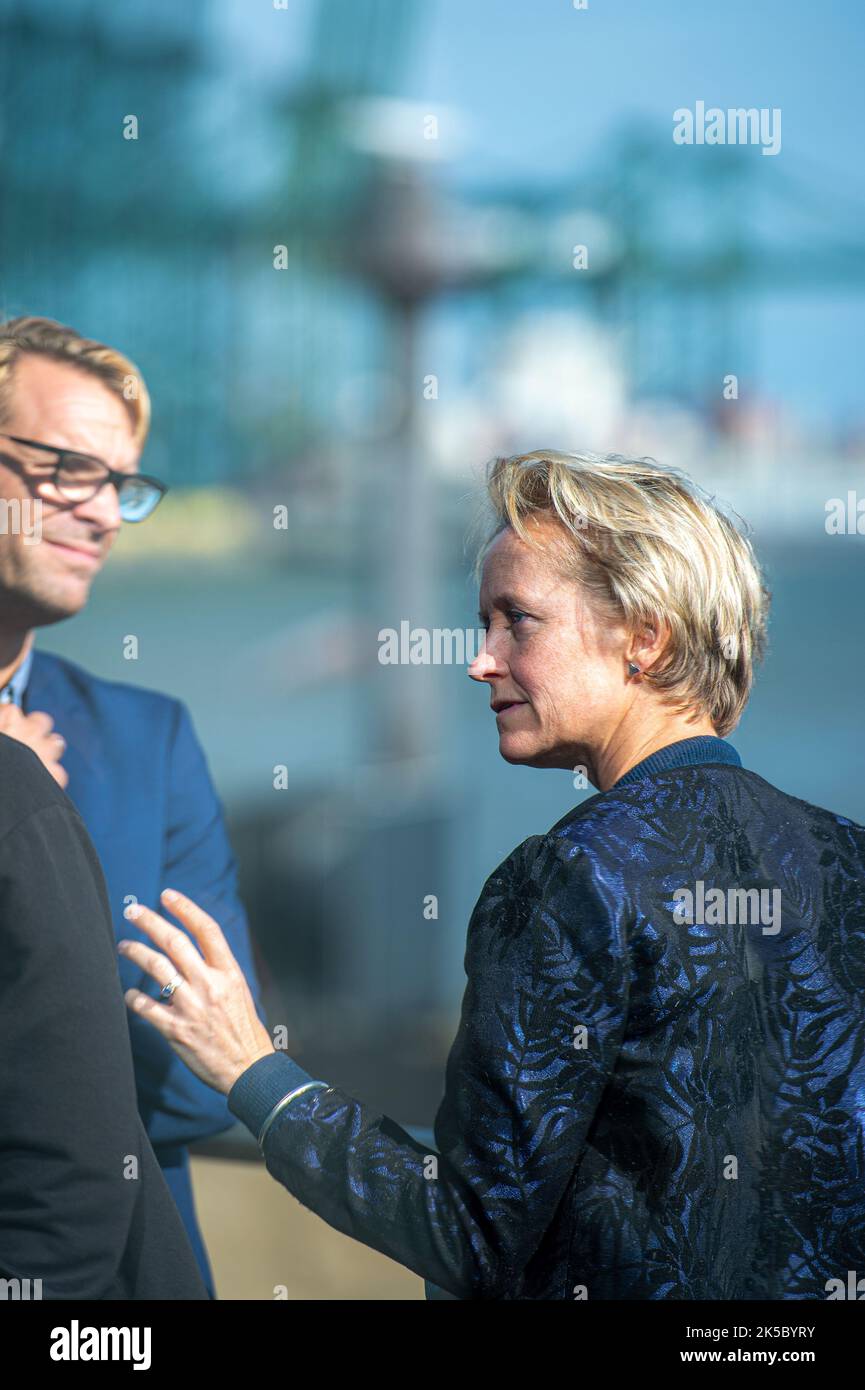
x=176, y=1107
x=543, y=1016
x=69, y=1125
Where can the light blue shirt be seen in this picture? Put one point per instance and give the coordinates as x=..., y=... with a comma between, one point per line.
x=13, y=690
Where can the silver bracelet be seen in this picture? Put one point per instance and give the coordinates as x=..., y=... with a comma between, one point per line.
x=281, y=1104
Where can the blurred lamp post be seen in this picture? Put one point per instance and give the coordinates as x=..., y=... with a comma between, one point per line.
x=408, y=241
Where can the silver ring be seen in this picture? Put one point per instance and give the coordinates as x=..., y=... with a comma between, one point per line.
x=169, y=989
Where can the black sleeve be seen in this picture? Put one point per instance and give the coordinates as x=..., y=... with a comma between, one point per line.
x=69, y=1131
x=543, y=1017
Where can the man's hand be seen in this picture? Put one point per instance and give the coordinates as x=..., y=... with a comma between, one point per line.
x=35, y=729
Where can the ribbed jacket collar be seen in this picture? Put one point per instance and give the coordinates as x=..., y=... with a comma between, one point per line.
x=686, y=753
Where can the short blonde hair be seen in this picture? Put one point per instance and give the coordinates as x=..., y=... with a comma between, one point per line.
x=47, y=338
x=649, y=546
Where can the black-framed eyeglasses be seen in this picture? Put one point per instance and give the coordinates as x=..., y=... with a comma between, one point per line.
x=78, y=477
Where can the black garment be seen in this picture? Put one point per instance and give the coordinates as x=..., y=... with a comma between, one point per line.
x=83, y=1204
x=637, y=1105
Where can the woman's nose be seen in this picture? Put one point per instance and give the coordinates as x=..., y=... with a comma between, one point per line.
x=483, y=666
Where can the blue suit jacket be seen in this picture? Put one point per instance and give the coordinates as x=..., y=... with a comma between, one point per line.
x=139, y=779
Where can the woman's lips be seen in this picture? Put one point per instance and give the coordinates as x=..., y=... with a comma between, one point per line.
x=507, y=706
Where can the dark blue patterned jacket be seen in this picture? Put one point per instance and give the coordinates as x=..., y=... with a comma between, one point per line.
x=657, y=1089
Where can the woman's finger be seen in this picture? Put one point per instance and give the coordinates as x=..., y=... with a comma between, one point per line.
x=159, y=967
x=202, y=928
x=173, y=942
x=162, y=1016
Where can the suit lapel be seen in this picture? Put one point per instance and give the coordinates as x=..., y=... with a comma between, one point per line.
x=54, y=688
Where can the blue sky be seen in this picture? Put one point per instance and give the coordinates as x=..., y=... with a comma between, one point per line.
x=545, y=86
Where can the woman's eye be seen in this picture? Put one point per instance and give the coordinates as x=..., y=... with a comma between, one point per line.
x=513, y=616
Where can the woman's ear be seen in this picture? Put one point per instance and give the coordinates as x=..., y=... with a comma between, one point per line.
x=648, y=645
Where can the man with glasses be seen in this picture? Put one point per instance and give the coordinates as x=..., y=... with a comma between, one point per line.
x=74, y=416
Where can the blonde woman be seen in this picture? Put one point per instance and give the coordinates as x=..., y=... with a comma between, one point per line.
x=656, y=1086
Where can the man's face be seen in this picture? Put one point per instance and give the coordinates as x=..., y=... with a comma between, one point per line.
x=54, y=403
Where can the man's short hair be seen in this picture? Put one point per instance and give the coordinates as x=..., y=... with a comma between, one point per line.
x=46, y=338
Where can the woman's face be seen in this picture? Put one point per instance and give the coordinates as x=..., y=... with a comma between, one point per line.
x=556, y=671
